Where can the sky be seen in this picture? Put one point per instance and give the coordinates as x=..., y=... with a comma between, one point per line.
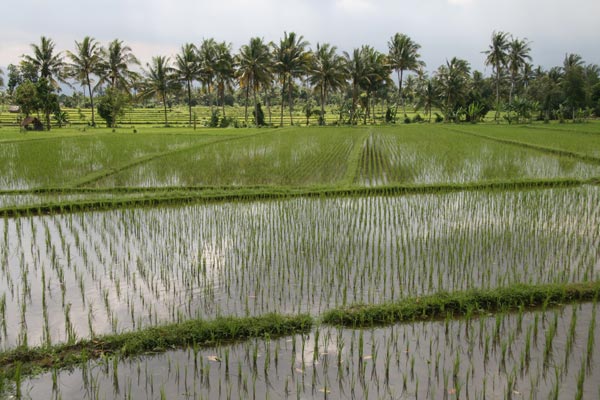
x=444, y=28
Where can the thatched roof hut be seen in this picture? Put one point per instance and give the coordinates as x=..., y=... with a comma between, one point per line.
x=37, y=124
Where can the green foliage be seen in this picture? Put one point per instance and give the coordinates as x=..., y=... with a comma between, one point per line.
x=458, y=304
x=259, y=115
x=26, y=97
x=112, y=105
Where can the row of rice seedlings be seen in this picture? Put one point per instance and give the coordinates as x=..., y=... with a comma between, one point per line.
x=126, y=269
x=502, y=356
x=55, y=162
x=583, y=140
x=436, y=156
x=288, y=157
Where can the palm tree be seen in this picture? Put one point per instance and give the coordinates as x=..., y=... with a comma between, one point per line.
x=572, y=81
x=254, y=69
x=207, y=56
x=47, y=64
x=518, y=55
x=357, y=73
x=497, y=57
x=115, y=64
x=187, y=70
x=85, y=62
x=224, y=70
x=291, y=60
x=1, y=79
x=377, y=76
x=403, y=56
x=160, y=80
x=427, y=96
x=453, y=79
x=327, y=73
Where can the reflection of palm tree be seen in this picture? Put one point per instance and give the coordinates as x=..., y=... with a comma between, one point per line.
x=403, y=56
x=291, y=60
x=254, y=62
x=160, y=80
x=187, y=70
x=85, y=62
x=327, y=73
x=497, y=57
x=518, y=56
x=115, y=66
x=47, y=64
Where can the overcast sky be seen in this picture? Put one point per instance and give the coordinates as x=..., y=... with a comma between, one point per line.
x=444, y=28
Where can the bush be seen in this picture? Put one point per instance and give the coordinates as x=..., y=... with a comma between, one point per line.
x=417, y=118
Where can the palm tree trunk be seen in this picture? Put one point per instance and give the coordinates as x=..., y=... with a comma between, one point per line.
x=246, y=105
x=282, y=100
x=268, y=102
x=189, y=90
x=255, y=103
x=497, y=115
x=400, y=89
x=222, y=90
x=290, y=101
x=164, y=99
x=322, y=121
x=91, y=99
x=353, y=111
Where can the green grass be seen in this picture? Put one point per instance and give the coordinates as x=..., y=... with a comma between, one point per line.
x=152, y=340
x=458, y=304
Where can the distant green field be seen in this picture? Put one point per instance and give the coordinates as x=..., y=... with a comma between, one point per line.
x=363, y=156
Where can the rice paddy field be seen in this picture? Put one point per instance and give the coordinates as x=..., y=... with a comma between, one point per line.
x=259, y=245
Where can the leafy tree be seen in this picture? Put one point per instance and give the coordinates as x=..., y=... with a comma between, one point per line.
x=1, y=78
x=47, y=99
x=291, y=61
x=403, y=56
x=14, y=78
x=187, y=69
x=28, y=72
x=112, y=105
x=254, y=71
x=114, y=67
x=85, y=62
x=160, y=80
x=497, y=57
x=25, y=96
x=327, y=73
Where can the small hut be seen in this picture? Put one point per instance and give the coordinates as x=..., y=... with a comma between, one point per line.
x=14, y=109
x=32, y=124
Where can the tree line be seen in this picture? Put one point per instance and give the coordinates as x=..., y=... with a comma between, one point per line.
x=280, y=74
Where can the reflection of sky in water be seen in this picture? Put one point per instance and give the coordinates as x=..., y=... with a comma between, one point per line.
x=416, y=360
x=138, y=267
